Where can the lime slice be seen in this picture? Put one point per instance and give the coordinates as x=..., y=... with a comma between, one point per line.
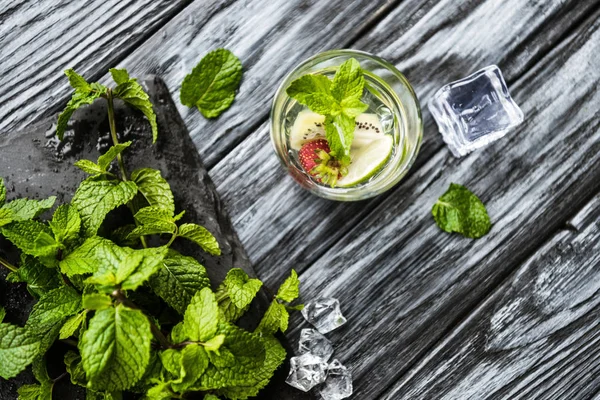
x=367, y=161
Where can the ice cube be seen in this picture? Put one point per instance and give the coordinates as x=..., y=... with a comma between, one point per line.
x=311, y=341
x=306, y=372
x=324, y=314
x=474, y=111
x=338, y=384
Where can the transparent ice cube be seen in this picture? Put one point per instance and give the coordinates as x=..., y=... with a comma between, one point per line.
x=311, y=341
x=474, y=111
x=338, y=384
x=306, y=372
x=324, y=314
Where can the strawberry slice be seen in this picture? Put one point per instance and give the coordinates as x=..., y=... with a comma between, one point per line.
x=316, y=159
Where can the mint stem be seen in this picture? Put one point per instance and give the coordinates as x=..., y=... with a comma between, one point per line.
x=113, y=131
x=8, y=265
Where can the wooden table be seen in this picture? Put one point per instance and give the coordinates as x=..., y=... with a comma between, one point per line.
x=431, y=315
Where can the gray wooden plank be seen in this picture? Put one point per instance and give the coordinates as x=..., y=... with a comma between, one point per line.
x=270, y=37
x=40, y=39
x=404, y=283
x=535, y=337
x=276, y=220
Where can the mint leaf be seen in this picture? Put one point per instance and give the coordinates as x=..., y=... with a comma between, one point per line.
x=86, y=258
x=74, y=367
x=105, y=159
x=178, y=279
x=95, y=198
x=228, y=310
x=24, y=209
x=212, y=83
x=201, y=316
x=85, y=93
x=339, y=132
x=70, y=327
x=276, y=318
x=18, y=349
x=32, y=392
x=116, y=348
x=459, y=210
x=306, y=86
x=131, y=92
x=211, y=397
x=38, y=278
x=52, y=308
x=5, y=216
x=65, y=224
x=2, y=314
x=24, y=235
x=154, y=188
x=186, y=365
x=241, y=288
x=201, y=236
x=41, y=374
x=349, y=81
x=150, y=261
x=155, y=220
x=89, y=167
x=96, y=301
x=353, y=107
x=214, y=344
x=290, y=289
x=2, y=192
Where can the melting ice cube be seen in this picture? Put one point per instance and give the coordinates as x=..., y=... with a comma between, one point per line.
x=338, y=384
x=311, y=341
x=324, y=314
x=474, y=111
x=306, y=372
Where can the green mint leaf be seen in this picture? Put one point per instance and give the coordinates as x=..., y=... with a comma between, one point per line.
x=24, y=209
x=212, y=84
x=276, y=318
x=241, y=288
x=353, y=107
x=153, y=215
x=290, y=289
x=162, y=391
x=214, y=344
x=154, y=188
x=2, y=314
x=228, y=310
x=116, y=348
x=323, y=104
x=38, y=278
x=30, y=392
x=74, y=367
x=349, y=81
x=89, y=167
x=86, y=258
x=95, y=198
x=186, y=365
x=178, y=279
x=201, y=316
x=84, y=94
x=147, y=262
x=45, y=245
x=96, y=301
x=47, y=339
x=5, y=216
x=24, y=235
x=308, y=85
x=211, y=397
x=70, y=327
x=459, y=210
x=2, y=192
x=151, y=229
x=53, y=308
x=105, y=159
x=201, y=236
x=120, y=236
x=18, y=349
x=131, y=92
x=65, y=224
x=339, y=132
x=93, y=395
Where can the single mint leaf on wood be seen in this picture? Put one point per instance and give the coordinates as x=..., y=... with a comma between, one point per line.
x=52, y=308
x=154, y=188
x=71, y=325
x=240, y=287
x=459, y=210
x=201, y=236
x=201, y=316
x=212, y=84
x=116, y=348
x=38, y=278
x=290, y=289
x=84, y=94
x=307, y=85
x=348, y=81
x=24, y=209
x=178, y=279
x=65, y=224
x=95, y=198
x=131, y=92
x=96, y=301
x=105, y=159
x=18, y=349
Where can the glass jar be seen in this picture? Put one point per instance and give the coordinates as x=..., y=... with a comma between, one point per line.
x=399, y=113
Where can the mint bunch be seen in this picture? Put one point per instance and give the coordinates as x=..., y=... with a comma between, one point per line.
x=102, y=291
x=338, y=100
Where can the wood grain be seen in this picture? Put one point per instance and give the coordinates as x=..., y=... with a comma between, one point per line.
x=535, y=337
x=403, y=283
x=277, y=220
x=40, y=39
x=270, y=38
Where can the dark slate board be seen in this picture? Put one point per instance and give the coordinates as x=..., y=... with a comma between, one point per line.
x=35, y=164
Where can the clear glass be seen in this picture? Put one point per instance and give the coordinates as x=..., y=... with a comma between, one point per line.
x=388, y=94
x=474, y=111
